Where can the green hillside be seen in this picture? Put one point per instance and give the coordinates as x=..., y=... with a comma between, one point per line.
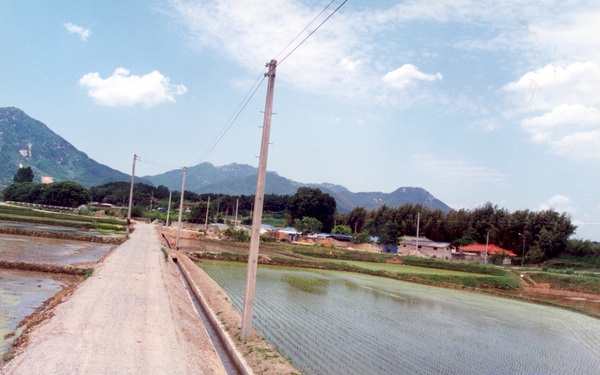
x=27, y=142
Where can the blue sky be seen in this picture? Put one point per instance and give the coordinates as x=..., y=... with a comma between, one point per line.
x=474, y=101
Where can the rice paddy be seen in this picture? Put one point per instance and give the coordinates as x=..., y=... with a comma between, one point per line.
x=329, y=322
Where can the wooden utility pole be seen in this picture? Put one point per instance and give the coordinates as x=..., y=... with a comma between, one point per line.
x=258, y=206
x=237, y=203
x=417, y=244
x=180, y=208
x=207, y=208
x=130, y=198
x=487, y=241
x=169, y=207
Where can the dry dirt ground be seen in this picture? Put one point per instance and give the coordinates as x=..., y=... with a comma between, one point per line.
x=133, y=316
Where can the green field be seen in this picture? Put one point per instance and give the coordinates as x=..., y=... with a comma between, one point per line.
x=405, y=269
x=36, y=216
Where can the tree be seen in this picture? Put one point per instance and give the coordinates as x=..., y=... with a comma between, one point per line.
x=356, y=219
x=198, y=213
x=29, y=192
x=341, y=229
x=390, y=233
x=307, y=225
x=309, y=202
x=23, y=175
x=65, y=194
x=362, y=237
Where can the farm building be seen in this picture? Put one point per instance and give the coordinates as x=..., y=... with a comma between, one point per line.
x=426, y=248
x=288, y=234
x=477, y=252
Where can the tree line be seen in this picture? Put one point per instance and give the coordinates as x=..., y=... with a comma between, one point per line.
x=540, y=235
x=144, y=195
x=60, y=193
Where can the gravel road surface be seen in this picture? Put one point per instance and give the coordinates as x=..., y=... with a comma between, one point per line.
x=133, y=316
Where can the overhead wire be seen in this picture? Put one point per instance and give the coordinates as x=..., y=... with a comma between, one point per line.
x=233, y=118
x=303, y=30
x=312, y=32
x=254, y=88
x=166, y=167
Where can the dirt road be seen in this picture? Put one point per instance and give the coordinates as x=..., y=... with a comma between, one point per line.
x=133, y=316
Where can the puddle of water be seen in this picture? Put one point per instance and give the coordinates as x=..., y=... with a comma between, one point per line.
x=21, y=293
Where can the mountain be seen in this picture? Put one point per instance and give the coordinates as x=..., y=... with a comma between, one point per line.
x=27, y=142
x=240, y=179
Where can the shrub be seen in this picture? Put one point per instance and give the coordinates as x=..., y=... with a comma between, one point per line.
x=240, y=235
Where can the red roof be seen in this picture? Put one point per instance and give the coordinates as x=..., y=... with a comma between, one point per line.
x=492, y=249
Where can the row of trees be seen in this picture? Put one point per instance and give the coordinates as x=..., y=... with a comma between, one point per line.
x=543, y=234
x=62, y=193
x=147, y=196
x=540, y=235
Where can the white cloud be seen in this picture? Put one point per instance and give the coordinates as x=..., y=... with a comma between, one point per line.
x=341, y=59
x=123, y=89
x=458, y=171
x=553, y=85
x=559, y=203
x=560, y=106
x=74, y=29
x=407, y=75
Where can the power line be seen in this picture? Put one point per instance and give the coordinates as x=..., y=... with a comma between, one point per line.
x=312, y=32
x=303, y=30
x=232, y=119
x=163, y=166
x=260, y=79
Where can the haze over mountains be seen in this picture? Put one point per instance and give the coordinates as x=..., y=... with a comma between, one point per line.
x=25, y=142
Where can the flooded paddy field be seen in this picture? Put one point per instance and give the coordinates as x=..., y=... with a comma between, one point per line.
x=53, y=228
x=21, y=293
x=331, y=322
x=52, y=251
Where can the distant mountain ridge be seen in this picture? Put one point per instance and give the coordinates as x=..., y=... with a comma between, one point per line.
x=27, y=142
x=240, y=179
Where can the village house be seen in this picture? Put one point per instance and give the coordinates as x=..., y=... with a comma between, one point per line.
x=424, y=247
x=477, y=252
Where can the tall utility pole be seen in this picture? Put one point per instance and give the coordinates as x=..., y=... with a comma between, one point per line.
x=523, y=257
x=130, y=198
x=417, y=245
x=180, y=208
x=169, y=208
x=237, y=203
x=207, y=208
x=487, y=241
x=258, y=206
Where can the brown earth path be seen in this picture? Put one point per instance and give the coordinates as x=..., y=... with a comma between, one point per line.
x=133, y=316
